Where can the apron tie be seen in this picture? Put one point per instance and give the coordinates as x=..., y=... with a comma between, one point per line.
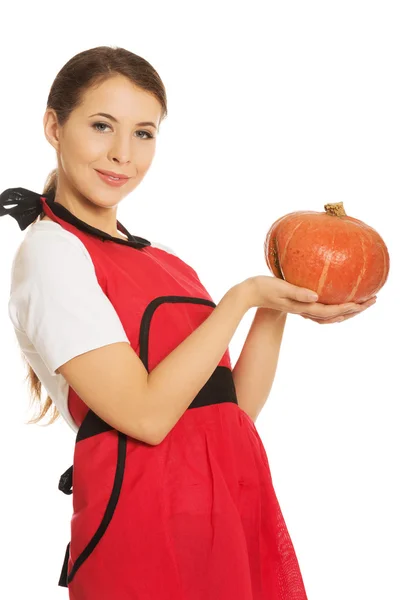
x=65, y=484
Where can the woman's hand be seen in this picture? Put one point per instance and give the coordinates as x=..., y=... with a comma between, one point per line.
x=358, y=308
x=274, y=293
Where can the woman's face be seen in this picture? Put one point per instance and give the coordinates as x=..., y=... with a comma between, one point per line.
x=87, y=141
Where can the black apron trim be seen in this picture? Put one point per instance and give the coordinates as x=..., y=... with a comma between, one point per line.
x=62, y=582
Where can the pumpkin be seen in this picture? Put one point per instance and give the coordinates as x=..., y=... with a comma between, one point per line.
x=341, y=258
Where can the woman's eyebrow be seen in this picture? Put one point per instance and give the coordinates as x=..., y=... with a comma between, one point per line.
x=101, y=114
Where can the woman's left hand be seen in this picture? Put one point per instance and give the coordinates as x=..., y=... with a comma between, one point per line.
x=357, y=308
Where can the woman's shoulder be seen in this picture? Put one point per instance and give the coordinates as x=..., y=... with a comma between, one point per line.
x=48, y=247
x=46, y=231
x=163, y=247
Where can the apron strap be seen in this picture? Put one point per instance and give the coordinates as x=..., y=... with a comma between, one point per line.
x=63, y=581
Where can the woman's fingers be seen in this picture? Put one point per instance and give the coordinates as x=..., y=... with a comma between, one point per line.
x=341, y=316
x=326, y=312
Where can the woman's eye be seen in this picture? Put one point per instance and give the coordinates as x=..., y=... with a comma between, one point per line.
x=149, y=135
x=96, y=124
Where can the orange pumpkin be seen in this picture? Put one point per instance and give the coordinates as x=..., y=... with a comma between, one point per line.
x=337, y=256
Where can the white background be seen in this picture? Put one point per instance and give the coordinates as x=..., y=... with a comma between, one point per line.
x=273, y=107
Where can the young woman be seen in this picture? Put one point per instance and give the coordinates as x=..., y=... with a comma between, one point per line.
x=171, y=486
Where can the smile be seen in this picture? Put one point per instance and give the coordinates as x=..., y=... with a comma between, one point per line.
x=113, y=181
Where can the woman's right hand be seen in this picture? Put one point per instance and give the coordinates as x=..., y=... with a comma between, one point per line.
x=277, y=294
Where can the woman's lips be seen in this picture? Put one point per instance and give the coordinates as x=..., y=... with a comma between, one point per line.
x=113, y=182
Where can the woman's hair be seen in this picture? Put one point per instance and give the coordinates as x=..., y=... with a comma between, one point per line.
x=84, y=70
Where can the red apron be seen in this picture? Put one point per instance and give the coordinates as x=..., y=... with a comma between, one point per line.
x=196, y=516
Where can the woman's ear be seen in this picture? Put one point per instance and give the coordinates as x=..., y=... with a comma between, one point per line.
x=51, y=128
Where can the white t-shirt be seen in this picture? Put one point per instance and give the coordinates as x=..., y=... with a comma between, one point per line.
x=56, y=304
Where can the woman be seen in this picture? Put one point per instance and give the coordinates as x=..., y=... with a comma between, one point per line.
x=172, y=492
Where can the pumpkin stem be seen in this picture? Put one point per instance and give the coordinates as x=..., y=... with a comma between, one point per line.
x=336, y=209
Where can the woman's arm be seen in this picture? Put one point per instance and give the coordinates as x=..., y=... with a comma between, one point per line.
x=254, y=371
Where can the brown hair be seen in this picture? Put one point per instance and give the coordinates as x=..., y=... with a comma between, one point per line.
x=84, y=70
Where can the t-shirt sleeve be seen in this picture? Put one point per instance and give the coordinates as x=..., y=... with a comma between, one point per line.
x=57, y=300
x=164, y=247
